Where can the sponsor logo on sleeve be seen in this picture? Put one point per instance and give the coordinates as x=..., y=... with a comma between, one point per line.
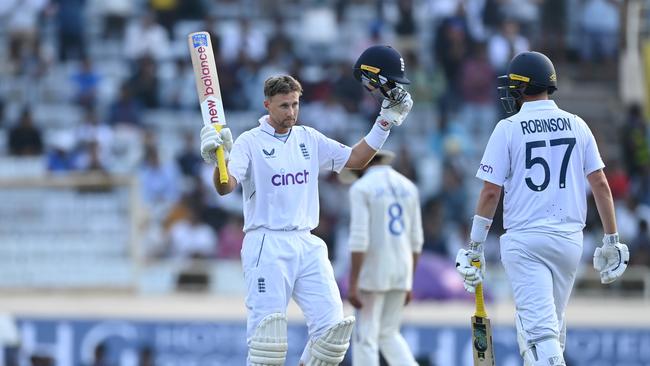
x=486, y=168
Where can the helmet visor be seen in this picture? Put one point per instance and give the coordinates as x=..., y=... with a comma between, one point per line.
x=509, y=93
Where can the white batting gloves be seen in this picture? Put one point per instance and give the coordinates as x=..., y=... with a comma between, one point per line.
x=211, y=140
x=395, y=115
x=471, y=275
x=611, y=259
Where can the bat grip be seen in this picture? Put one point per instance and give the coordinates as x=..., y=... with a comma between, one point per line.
x=478, y=296
x=221, y=161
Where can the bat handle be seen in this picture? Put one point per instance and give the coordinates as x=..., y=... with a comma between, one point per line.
x=221, y=161
x=480, y=302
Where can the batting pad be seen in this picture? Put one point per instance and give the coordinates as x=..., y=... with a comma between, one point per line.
x=269, y=343
x=330, y=348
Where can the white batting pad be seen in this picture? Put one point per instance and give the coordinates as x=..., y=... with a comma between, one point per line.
x=269, y=343
x=330, y=348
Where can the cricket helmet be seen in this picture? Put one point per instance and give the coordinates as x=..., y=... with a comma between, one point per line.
x=529, y=73
x=381, y=69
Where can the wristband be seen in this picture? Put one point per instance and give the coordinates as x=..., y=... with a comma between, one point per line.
x=480, y=228
x=376, y=137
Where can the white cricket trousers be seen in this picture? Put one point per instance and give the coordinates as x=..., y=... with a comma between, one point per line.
x=280, y=265
x=541, y=268
x=377, y=329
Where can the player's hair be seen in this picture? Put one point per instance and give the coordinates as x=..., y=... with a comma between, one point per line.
x=283, y=84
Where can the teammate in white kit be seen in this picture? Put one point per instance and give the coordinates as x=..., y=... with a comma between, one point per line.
x=385, y=240
x=277, y=163
x=540, y=157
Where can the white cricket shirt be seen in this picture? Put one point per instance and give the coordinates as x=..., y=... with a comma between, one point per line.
x=541, y=156
x=386, y=224
x=280, y=178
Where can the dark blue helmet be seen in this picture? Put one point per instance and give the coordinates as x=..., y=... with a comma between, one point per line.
x=381, y=68
x=529, y=73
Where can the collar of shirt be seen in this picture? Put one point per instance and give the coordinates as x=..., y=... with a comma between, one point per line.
x=538, y=105
x=266, y=126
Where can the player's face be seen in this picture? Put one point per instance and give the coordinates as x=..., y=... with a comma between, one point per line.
x=283, y=111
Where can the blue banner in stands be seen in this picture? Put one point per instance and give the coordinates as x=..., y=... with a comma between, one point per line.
x=73, y=342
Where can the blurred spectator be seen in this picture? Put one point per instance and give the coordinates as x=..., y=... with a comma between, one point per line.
x=178, y=90
x=90, y=159
x=231, y=237
x=115, y=15
x=158, y=181
x=634, y=142
x=243, y=38
x=62, y=155
x=524, y=12
x=600, y=25
x=126, y=109
x=478, y=88
x=39, y=360
x=406, y=27
x=100, y=356
x=507, y=43
x=144, y=36
x=347, y=90
x=166, y=12
x=640, y=245
x=192, y=238
x=426, y=83
x=280, y=44
x=25, y=138
x=86, y=83
x=147, y=357
x=189, y=159
x=450, y=49
x=619, y=182
x=71, y=28
x=9, y=340
x=144, y=83
x=21, y=17
x=435, y=241
x=91, y=130
x=454, y=196
x=404, y=163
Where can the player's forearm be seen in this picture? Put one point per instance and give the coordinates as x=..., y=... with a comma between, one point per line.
x=360, y=155
x=488, y=200
x=355, y=267
x=604, y=202
x=223, y=188
x=416, y=256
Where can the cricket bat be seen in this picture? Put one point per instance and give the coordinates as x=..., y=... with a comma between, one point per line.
x=481, y=330
x=207, y=87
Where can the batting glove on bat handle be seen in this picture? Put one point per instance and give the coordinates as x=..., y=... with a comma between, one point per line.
x=611, y=259
x=471, y=274
x=394, y=115
x=212, y=138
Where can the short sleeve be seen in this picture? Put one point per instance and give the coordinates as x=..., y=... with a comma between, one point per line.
x=593, y=161
x=332, y=155
x=240, y=159
x=495, y=164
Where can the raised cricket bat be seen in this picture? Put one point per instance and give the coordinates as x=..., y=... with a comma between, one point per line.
x=207, y=87
x=481, y=330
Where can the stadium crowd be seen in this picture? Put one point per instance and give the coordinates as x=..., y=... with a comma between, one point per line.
x=106, y=87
